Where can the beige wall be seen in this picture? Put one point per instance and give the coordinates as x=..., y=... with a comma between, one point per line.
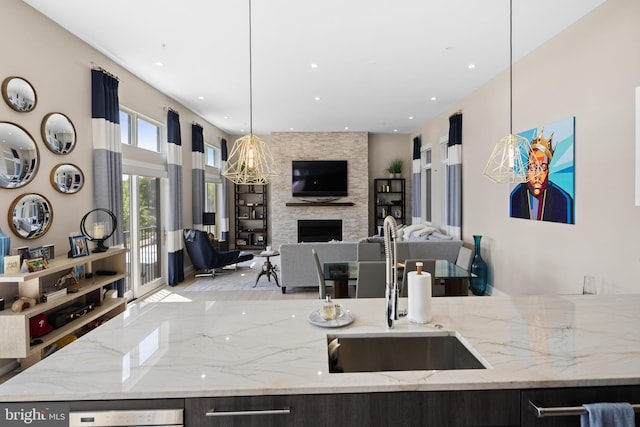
x=58, y=65
x=590, y=71
x=382, y=149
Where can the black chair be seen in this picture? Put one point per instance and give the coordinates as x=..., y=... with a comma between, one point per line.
x=205, y=257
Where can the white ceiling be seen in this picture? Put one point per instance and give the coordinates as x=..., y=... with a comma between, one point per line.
x=380, y=62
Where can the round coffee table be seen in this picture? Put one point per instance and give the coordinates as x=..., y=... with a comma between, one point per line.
x=268, y=269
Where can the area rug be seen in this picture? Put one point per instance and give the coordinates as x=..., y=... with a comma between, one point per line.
x=244, y=278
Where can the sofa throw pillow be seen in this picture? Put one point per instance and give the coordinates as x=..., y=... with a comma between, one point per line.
x=421, y=238
x=425, y=231
x=439, y=236
x=411, y=228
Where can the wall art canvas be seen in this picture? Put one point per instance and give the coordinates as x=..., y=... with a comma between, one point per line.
x=548, y=194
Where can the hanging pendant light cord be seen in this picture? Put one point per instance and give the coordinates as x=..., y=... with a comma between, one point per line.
x=250, y=78
x=510, y=67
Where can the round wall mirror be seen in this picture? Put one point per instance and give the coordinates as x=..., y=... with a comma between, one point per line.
x=19, y=94
x=58, y=133
x=30, y=216
x=67, y=178
x=20, y=157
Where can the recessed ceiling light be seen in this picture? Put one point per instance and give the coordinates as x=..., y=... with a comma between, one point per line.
x=159, y=64
x=410, y=117
x=472, y=66
x=317, y=98
x=395, y=130
x=314, y=65
x=201, y=97
x=346, y=128
x=433, y=98
x=290, y=128
x=225, y=117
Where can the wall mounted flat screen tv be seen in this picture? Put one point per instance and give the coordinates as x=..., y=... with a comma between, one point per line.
x=319, y=178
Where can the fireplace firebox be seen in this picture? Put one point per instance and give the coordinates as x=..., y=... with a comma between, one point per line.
x=319, y=230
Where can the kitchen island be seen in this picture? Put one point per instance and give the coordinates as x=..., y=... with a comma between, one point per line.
x=211, y=349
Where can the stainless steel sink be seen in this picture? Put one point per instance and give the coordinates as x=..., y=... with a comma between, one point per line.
x=397, y=352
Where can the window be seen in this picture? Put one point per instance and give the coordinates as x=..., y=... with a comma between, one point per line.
x=139, y=132
x=212, y=156
x=444, y=149
x=144, y=174
x=211, y=194
x=426, y=178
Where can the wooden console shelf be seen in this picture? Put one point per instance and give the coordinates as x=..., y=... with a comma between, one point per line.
x=14, y=327
x=319, y=204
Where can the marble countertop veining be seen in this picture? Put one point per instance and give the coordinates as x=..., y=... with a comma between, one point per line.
x=233, y=348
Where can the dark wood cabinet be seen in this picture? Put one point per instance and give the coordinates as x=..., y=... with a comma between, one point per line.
x=277, y=411
x=443, y=409
x=251, y=225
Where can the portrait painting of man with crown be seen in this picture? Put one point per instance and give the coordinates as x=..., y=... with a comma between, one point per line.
x=548, y=194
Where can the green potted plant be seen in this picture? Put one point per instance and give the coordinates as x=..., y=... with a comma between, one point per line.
x=395, y=168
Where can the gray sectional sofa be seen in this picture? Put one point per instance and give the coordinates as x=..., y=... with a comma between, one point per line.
x=297, y=267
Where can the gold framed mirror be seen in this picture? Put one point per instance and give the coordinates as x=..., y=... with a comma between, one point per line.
x=67, y=178
x=30, y=216
x=21, y=157
x=19, y=94
x=58, y=133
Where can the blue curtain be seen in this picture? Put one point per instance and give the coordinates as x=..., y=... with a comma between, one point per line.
x=454, y=177
x=174, y=220
x=107, y=152
x=197, y=175
x=416, y=204
x=223, y=208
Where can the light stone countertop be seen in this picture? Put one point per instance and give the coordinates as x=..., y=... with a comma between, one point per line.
x=233, y=348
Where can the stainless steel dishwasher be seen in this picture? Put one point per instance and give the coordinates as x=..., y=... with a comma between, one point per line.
x=127, y=418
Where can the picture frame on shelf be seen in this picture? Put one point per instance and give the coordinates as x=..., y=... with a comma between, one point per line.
x=49, y=251
x=23, y=251
x=12, y=264
x=79, y=272
x=36, y=264
x=37, y=252
x=79, y=246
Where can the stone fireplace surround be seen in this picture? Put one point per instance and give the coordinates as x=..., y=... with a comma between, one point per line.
x=288, y=146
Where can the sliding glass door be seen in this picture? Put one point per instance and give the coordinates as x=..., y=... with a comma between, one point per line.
x=143, y=233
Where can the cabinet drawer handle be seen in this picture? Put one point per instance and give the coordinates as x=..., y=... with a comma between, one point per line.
x=213, y=413
x=541, y=412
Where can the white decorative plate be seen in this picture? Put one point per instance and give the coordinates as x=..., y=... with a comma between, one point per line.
x=315, y=318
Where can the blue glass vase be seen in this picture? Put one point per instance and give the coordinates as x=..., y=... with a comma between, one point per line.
x=479, y=268
x=5, y=244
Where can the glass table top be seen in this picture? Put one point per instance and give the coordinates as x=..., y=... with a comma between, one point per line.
x=348, y=270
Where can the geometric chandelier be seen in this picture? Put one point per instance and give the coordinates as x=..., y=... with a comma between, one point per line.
x=508, y=161
x=510, y=156
x=250, y=160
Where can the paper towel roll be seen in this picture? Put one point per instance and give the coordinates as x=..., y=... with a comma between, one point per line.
x=419, y=294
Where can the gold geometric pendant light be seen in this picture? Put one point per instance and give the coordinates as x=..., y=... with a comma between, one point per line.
x=250, y=160
x=508, y=161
